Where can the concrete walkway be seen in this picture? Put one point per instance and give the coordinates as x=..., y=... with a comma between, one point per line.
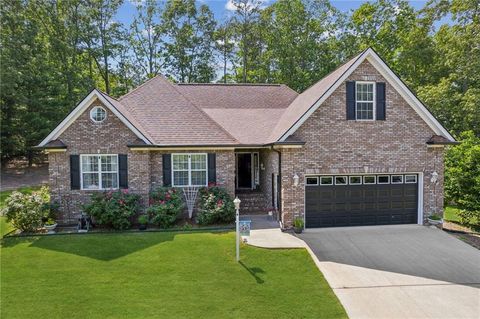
x=266, y=233
x=406, y=271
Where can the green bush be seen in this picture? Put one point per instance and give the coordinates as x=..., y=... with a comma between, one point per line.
x=113, y=209
x=27, y=212
x=462, y=177
x=216, y=206
x=165, y=205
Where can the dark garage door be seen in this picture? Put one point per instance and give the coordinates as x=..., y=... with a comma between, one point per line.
x=333, y=201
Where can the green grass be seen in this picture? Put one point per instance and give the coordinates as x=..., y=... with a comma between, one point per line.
x=5, y=227
x=159, y=275
x=451, y=214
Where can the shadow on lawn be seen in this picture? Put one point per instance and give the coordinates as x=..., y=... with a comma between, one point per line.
x=104, y=247
x=254, y=271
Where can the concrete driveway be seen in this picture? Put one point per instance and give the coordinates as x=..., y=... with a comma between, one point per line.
x=406, y=271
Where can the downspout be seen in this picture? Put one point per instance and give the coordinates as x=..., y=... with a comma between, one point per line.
x=279, y=186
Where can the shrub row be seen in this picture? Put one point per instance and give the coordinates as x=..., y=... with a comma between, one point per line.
x=115, y=209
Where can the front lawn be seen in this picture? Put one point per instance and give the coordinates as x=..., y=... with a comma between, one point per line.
x=158, y=275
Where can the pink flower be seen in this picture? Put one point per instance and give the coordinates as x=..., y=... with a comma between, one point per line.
x=219, y=203
x=125, y=191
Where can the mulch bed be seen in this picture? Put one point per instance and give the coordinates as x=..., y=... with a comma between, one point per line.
x=464, y=233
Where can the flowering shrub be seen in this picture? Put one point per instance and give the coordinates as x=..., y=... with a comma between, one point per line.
x=165, y=205
x=216, y=206
x=113, y=209
x=27, y=212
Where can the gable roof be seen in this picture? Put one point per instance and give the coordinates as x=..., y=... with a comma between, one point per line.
x=310, y=100
x=162, y=113
x=111, y=104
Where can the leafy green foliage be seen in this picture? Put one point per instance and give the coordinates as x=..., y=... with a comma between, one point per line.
x=27, y=212
x=298, y=222
x=216, y=206
x=166, y=204
x=462, y=177
x=113, y=209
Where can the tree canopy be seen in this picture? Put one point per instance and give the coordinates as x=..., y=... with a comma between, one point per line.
x=55, y=51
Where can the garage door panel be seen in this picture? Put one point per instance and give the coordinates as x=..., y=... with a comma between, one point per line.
x=355, y=205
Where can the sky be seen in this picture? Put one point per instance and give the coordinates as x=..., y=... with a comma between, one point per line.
x=222, y=9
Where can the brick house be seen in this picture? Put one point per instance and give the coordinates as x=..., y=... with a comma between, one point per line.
x=356, y=148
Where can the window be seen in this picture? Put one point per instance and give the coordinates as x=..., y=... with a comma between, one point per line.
x=365, y=101
x=397, y=179
x=98, y=114
x=340, y=180
x=355, y=180
x=384, y=179
x=99, y=171
x=369, y=180
x=312, y=181
x=189, y=169
x=410, y=179
x=326, y=180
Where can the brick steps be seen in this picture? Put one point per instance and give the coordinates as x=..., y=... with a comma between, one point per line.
x=252, y=203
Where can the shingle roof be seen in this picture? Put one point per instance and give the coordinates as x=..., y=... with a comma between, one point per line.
x=309, y=97
x=219, y=114
x=169, y=118
x=206, y=114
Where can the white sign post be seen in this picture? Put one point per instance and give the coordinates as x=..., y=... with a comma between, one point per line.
x=236, y=202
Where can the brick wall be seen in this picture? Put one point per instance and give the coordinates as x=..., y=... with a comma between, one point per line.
x=112, y=137
x=335, y=145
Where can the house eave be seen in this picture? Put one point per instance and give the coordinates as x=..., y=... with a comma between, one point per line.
x=226, y=147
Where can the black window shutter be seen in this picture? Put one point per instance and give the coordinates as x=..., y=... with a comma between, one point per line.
x=167, y=169
x=123, y=170
x=381, y=100
x=75, y=171
x=212, y=168
x=350, y=100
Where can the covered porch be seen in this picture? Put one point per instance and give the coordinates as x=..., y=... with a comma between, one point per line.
x=257, y=180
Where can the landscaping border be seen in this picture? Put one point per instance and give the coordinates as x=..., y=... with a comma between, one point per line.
x=128, y=231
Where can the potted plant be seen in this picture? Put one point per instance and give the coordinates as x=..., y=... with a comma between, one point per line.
x=142, y=222
x=435, y=219
x=298, y=225
x=50, y=225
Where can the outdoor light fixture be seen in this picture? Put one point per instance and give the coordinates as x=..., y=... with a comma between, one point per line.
x=434, y=178
x=296, y=179
x=237, y=202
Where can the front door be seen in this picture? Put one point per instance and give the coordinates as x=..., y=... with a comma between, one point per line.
x=244, y=170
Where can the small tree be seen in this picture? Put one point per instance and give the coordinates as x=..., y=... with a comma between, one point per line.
x=462, y=177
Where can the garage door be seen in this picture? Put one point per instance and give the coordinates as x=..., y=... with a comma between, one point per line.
x=333, y=201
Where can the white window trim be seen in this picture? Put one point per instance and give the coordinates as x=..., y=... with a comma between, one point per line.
x=391, y=179
x=329, y=176
x=346, y=180
x=94, y=108
x=378, y=179
x=99, y=172
x=374, y=102
x=415, y=182
x=190, y=170
x=350, y=183
x=315, y=177
x=374, y=177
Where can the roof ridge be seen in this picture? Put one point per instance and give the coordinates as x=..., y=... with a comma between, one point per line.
x=232, y=84
x=142, y=129
x=204, y=113
x=338, y=67
x=141, y=85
